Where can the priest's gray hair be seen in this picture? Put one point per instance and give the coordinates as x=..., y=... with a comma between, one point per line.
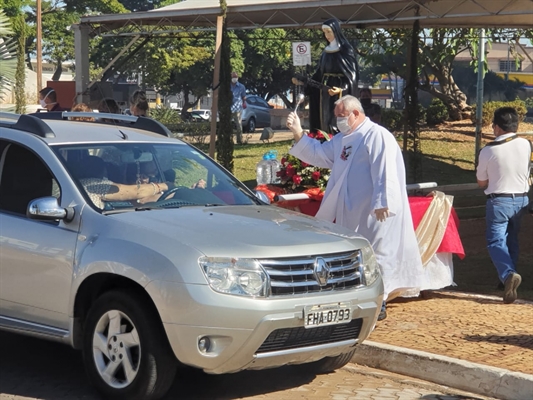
x=350, y=103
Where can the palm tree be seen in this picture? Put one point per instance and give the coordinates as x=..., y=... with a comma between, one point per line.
x=8, y=60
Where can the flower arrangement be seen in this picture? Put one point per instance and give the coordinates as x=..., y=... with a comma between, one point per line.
x=297, y=175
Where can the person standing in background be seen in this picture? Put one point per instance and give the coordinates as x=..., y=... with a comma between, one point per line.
x=372, y=110
x=81, y=107
x=108, y=105
x=503, y=170
x=238, y=104
x=48, y=100
x=139, y=104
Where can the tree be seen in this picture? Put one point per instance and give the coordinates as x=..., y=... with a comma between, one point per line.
x=224, y=144
x=58, y=39
x=438, y=49
x=8, y=61
x=493, y=84
x=267, y=59
x=19, y=26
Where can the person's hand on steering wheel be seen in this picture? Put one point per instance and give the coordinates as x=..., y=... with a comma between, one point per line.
x=199, y=185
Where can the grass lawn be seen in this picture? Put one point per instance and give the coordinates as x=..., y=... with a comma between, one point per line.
x=447, y=158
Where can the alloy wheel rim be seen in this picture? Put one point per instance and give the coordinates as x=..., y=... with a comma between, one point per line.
x=116, y=349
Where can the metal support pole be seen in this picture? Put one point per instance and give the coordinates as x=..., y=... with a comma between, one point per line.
x=479, y=97
x=81, y=52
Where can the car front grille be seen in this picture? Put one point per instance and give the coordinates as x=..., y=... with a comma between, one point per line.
x=294, y=276
x=293, y=338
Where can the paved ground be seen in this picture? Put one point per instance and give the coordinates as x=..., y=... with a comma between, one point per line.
x=32, y=369
x=476, y=329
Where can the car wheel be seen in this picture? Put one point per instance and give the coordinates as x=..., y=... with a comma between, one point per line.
x=330, y=364
x=125, y=349
x=251, y=125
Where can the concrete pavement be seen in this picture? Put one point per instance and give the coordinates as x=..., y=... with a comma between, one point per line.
x=471, y=342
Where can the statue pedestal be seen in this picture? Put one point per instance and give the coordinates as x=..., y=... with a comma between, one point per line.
x=278, y=118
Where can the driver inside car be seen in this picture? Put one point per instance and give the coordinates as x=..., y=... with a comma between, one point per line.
x=91, y=172
x=147, y=174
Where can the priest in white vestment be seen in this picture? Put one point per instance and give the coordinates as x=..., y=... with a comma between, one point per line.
x=366, y=192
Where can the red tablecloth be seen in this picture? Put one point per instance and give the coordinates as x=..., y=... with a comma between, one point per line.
x=451, y=242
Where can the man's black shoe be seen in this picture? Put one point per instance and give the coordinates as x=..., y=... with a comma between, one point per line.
x=511, y=284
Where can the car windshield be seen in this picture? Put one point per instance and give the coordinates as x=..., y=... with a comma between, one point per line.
x=138, y=176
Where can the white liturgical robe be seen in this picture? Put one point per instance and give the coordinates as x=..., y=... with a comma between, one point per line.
x=368, y=173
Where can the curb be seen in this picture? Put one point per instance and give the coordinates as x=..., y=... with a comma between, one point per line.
x=465, y=375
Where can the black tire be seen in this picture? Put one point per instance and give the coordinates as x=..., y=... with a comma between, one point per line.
x=330, y=364
x=250, y=128
x=140, y=346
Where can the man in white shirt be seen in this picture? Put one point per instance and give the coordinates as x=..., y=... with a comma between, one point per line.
x=503, y=170
x=366, y=191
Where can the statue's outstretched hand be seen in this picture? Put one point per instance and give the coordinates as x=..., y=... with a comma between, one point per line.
x=297, y=82
x=334, y=91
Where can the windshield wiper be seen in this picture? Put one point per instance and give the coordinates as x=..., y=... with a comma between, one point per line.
x=128, y=209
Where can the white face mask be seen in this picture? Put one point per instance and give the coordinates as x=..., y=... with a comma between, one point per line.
x=343, y=126
x=42, y=102
x=234, y=80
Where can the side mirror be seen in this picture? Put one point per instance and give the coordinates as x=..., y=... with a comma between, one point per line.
x=262, y=196
x=48, y=209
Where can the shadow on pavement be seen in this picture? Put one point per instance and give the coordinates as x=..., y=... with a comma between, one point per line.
x=525, y=341
x=34, y=368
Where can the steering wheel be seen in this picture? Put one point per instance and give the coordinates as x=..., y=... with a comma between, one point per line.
x=168, y=192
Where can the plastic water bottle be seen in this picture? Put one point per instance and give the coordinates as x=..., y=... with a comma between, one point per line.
x=276, y=166
x=264, y=170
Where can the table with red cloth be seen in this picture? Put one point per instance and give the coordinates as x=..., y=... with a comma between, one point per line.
x=451, y=242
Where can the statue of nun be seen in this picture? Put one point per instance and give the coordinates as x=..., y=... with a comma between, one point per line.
x=335, y=76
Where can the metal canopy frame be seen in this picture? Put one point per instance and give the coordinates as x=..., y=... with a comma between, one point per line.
x=252, y=14
x=191, y=15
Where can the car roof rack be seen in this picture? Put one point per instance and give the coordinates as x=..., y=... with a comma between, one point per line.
x=27, y=123
x=129, y=121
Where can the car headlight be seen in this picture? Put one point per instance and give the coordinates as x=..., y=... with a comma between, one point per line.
x=241, y=277
x=370, y=265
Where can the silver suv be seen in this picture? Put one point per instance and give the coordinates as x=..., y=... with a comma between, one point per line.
x=144, y=253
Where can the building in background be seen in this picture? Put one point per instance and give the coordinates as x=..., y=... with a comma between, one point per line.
x=502, y=61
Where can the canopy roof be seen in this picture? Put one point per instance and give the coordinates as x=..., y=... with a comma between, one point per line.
x=249, y=14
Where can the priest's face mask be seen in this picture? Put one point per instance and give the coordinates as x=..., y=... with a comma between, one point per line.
x=346, y=120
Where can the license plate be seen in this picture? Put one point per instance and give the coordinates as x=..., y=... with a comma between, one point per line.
x=327, y=314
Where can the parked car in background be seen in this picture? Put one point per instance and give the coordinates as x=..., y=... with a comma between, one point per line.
x=203, y=113
x=195, y=116
x=256, y=114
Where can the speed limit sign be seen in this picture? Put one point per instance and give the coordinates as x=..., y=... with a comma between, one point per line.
x=301, y=53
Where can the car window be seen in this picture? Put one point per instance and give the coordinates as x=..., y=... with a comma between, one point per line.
x=261, y=102
x=108, y=168
x=23, y=177
x=251, y=100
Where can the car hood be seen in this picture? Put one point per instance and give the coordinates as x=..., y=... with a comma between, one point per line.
x=244, y=231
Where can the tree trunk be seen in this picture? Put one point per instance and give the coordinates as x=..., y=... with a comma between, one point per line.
x=20, y=75
x=58, y=71
x=224, y=143
x=449, y=93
